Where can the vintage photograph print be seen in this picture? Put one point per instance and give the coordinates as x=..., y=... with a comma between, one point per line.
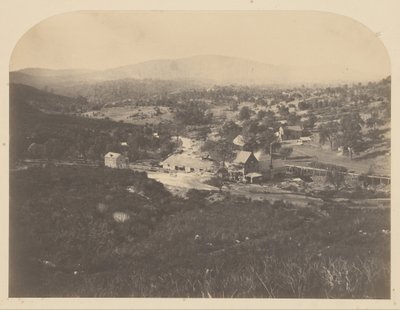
x=191, y=154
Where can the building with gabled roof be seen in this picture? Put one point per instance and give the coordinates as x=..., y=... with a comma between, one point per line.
x=116, y=160
x=245, y=164
x=242, y=157
x=239, y=141
x=189, y=164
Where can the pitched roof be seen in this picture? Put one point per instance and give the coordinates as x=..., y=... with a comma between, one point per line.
x=242, y=157
x=261, y=155
x=294, y=128
x=239, y=140
x=112, y=155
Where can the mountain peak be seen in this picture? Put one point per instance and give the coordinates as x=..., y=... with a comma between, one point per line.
x=209, y=68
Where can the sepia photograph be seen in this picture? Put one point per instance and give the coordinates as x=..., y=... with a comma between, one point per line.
x=200, y=154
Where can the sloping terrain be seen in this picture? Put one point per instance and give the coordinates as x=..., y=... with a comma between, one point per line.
x=205, y=69
x=42, y=100
x=79, y=232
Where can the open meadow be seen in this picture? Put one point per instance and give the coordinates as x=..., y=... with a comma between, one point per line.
x=132, y=114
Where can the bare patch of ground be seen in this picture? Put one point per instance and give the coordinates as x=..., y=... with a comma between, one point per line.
x=133, y=114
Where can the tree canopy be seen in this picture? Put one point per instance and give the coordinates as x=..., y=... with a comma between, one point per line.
x=351, y=135
x=245, y=113
x=193, y=113
x=329, y=132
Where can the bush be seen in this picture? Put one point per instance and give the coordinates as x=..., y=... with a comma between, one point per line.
x=245, y=113
x=61, y=246
x=285, y=152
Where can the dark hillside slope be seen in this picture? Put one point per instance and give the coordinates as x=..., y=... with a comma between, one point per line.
x=57, y=136
x=66, y=241
x=44, y=100
x=62, y=221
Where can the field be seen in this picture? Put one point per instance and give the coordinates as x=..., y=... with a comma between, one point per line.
x=224, y=112
x=68, y=239
x=133, y=114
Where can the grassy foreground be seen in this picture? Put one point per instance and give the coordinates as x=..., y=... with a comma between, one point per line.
x=67, y=240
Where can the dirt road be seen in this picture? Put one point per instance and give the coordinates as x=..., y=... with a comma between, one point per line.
x=182, y=180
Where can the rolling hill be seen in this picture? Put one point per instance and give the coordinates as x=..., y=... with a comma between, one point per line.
x=203, y=69
x=42, y=100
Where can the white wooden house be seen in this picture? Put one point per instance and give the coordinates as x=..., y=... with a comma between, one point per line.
x=116, y=160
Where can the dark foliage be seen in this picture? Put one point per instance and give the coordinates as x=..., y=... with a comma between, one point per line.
x=71, y=137
x=193, y=113
x=64, y=242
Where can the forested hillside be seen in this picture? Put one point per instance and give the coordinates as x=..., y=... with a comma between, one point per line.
x=35, y=134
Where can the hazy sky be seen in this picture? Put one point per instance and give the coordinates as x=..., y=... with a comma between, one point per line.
x=99, y=40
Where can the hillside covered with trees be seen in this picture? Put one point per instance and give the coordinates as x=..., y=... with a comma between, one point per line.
x=35, y=134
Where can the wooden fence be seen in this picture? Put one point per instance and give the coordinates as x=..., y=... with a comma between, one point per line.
x=311, y=171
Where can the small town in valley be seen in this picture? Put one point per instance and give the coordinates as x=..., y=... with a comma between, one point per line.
x=200, y=155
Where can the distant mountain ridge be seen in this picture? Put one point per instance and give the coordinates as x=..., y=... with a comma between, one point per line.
x=53, y=72
x=209, y=69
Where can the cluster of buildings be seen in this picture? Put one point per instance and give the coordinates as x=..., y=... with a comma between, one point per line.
x=247, y=166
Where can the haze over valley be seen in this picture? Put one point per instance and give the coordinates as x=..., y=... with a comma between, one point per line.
x=204, y=69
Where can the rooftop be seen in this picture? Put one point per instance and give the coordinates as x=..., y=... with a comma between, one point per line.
x=183, y=160
x=112, y=155
x=239, y=140
x=294, y=128
x=242, y=157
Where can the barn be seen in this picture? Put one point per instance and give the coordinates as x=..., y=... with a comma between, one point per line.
x=247, y=161
x=244, y=167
